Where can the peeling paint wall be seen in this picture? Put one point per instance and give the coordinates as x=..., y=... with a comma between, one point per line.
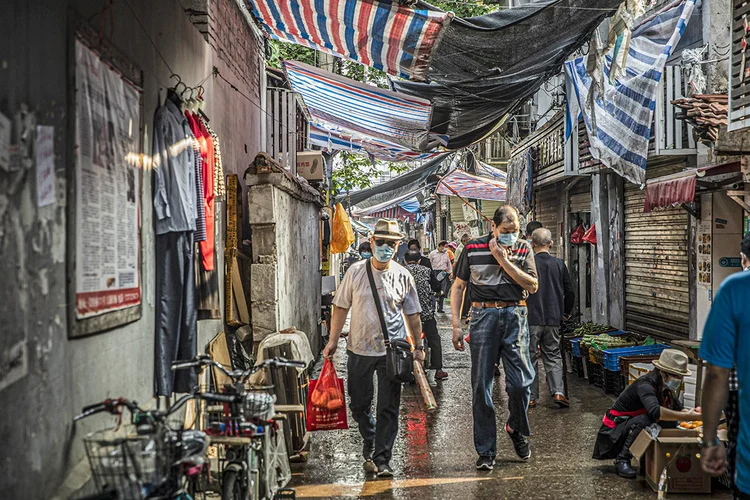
x=44, y=377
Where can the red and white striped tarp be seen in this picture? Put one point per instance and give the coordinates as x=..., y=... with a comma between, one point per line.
x=377, y=33
x=466, y=185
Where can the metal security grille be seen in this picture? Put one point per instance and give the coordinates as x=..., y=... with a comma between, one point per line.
x=656, y=265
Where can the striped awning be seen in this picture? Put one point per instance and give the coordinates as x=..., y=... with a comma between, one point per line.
x=381, y=34
x=332, y=138
x=388, y=204
x=466, y=185
x=360, y=108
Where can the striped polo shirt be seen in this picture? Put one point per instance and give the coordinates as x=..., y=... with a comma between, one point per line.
x=489, y=282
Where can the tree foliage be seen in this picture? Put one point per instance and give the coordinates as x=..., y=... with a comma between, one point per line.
x=357, y=172
x=466, y=8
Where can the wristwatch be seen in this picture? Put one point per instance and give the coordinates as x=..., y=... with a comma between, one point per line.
x=715, y=442
x=419, y=348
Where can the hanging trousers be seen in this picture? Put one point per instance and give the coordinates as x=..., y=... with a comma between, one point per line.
x=176, y=312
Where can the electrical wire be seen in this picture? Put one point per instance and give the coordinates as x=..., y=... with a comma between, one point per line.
x=145, y=31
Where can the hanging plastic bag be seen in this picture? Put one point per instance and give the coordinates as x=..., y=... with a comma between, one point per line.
x=326, y=410
x=342, y=234
x=327, y=394
x=590, y=236
x=576, y=237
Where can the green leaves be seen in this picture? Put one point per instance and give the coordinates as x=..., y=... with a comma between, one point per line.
x=357, y=172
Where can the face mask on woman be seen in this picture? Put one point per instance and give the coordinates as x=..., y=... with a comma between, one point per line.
x=383, y=253
x=674, y=384
x=366, y=255
x=507, y=239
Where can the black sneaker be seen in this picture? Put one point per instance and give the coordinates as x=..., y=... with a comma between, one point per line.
x=367, y=451
x=520, y=443
x=384, y=470
x=485, y=463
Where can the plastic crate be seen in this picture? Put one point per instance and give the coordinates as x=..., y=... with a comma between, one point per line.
x=625, y=362
x=612, y=356
x=595, y=373
x=578, y=367
x=575, y=345
x=611, y=382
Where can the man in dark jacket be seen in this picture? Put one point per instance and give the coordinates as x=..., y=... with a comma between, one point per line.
x=547, y=308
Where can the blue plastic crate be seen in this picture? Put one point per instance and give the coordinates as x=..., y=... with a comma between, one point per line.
x=576, y=345
x=612, y=356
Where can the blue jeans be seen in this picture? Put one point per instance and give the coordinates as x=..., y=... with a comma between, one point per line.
x=499, y=334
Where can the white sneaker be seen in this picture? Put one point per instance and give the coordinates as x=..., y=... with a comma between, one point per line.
x=431, y=378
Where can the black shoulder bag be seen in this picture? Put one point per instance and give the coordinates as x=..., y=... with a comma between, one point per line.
x=399, y=361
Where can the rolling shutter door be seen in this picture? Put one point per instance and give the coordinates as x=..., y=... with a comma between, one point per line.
x=580, y=199
x=546, y=211
x=656, y=265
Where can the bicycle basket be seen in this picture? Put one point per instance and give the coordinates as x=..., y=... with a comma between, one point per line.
x=135, y=466
x=259, y=405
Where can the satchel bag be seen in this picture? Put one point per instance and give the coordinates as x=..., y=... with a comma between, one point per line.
x=399, y=360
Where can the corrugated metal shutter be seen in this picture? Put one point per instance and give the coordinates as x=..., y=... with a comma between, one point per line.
x=656, y=264
x=580, y=199
x=489, y=207
x=546, y=211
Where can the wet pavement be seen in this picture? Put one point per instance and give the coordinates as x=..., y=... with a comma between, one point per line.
x=434, y=454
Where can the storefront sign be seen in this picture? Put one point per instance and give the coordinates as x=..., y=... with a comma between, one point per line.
x=107, y=273
x=730, y=262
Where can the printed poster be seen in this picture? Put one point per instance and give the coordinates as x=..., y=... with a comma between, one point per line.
x=107, y=188
x=704, y=255
x=45, y=164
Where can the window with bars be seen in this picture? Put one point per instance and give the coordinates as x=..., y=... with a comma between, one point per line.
x=739, y=75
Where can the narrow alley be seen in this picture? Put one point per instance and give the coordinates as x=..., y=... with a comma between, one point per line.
x=434, y=453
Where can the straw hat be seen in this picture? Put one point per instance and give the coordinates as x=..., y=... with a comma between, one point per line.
x=673, y=361
x=386, y=229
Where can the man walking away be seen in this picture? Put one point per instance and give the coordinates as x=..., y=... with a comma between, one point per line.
x=442, y=269
x=366, y=347
x=502, y=272
x=726, y=344
x=531, y=227
x=422, y=278
x=547, y=308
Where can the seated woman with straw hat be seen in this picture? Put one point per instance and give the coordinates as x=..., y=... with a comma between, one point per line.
x=650, y=399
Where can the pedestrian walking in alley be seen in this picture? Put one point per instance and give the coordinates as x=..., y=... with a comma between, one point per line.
x=531, y=227
x=502, y=272
x=651, y=399
x=414, y=246
x=423, y=279
x=366, y=349
x=548, y=307
x=442, y=269
x=725, y=345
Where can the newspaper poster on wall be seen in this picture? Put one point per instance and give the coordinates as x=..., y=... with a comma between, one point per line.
x=704, y=257
x=107, y=123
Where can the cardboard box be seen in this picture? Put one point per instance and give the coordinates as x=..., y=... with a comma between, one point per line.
x=679, y=452
x=310, y=165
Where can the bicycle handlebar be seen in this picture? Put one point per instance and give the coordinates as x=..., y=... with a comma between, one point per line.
x=236, y=375
x=109, y=405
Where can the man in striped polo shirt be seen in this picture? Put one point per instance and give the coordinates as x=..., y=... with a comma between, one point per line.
x=502, y=272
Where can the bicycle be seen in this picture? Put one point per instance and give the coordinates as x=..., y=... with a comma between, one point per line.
x=255, y=464
x=145, y=459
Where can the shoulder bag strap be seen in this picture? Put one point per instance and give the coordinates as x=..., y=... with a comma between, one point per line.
x=376, y=297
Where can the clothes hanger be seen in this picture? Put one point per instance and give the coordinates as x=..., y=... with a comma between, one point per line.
x=172, y=93
x=202, y=103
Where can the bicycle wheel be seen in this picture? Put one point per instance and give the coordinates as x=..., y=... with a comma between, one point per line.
x=231, y=488
x=277, y=471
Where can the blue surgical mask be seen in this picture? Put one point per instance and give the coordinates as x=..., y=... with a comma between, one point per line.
x=366, y=255
x=674, y=384
x=507, y=239
x=383, y=253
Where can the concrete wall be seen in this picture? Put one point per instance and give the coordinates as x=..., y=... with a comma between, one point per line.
x=285, y=273
x=57, y=376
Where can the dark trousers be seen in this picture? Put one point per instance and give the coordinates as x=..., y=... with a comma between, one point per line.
x=732, y=411
x=360, y=370
x=444, y=287
x=633, y=427
x=176, y=312
x=430, y=330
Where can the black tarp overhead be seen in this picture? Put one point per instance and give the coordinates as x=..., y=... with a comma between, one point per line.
x=401, y=185
x=485, y=65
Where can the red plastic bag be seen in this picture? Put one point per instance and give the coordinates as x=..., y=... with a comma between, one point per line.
x=590, y=236
x=328, y=395
x=326, y=408
x=576, y=237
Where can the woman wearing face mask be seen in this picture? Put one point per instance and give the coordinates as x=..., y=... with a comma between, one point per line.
x=653, y=398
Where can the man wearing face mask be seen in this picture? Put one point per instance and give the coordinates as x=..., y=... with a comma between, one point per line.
x=366, y=351
x=726, y=349
x=653, y=398
x=442, y=269
x=502, y=272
